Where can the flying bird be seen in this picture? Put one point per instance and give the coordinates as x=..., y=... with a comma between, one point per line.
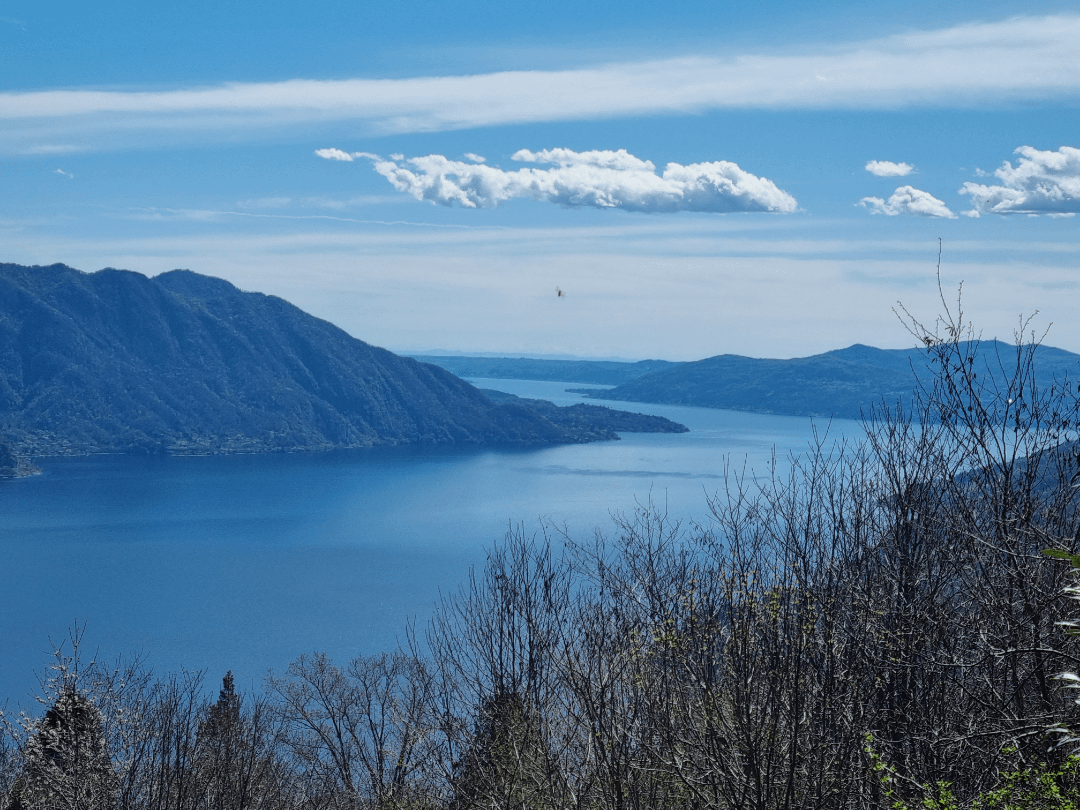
x=558, y=293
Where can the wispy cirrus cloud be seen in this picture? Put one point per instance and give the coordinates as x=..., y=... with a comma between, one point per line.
x=984, y=64
x=886, y=168
x=908, y=200
x=1041, y=182
x=261, y=203
x=264, y=202
x=594, y=179
x=53, y=149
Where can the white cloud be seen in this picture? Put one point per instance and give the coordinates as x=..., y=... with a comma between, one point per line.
x=1041, y=182
x=348, y=157
x=620, y=160
x=66, y=174
x=334, y=154
x=596, y=179
x=908, y=200
x=886, y=168
x=473, y=157
x=317, y=202
x=985, y=64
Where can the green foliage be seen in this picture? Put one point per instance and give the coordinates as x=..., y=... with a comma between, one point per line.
x=1040, y=786
x=1058, y=554
x=903, y=793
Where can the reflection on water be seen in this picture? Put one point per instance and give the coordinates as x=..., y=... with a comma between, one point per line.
x=244, y=562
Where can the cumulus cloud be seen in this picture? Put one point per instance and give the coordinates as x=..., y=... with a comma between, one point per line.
x=981, y=64
x=1041, y=182
x=886, y=168
x=471, y=156
x=910, y=201
x=594, y=179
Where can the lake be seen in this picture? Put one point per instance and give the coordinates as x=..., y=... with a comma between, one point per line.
x=245, y=562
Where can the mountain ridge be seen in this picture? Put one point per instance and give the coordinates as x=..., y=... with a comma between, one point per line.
x=841, y=383
x=182, y=363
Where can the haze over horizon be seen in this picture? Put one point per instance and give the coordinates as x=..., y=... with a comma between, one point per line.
x=695, y=181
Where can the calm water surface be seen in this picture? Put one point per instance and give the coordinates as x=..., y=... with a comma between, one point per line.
x=244, y=562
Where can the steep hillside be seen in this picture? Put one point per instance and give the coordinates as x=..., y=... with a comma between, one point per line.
x=114, y=361
x=843, y=383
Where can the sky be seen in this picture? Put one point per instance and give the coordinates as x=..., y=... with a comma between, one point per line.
x=590, y=179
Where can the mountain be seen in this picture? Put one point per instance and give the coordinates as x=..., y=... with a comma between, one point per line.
x=180, y=363
x=843, y=383
x=595, y=372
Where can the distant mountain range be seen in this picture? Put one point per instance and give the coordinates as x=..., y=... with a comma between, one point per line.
x=843, y=383
x=182, y=363
x=595, y=372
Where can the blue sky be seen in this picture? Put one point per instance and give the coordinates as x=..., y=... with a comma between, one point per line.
x=697, y=178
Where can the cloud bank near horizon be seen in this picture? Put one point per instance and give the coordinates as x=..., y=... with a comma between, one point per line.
x=971, y=65
x=593, y=179
x=910, y=201
x=1041, y=183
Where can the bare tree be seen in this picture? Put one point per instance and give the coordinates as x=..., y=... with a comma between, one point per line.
x=359, y=735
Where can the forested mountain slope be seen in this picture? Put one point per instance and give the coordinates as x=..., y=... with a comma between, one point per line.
x=114, y=361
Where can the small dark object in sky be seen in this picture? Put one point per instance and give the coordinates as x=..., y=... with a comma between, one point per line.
x=558, y=292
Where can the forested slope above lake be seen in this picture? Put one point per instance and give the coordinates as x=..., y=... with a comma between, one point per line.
x=844, y=383
x=114, y=361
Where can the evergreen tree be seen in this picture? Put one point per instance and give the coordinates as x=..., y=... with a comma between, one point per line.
x=507, y=766
x=67, y=764
x=223, y=717
x=222, y=750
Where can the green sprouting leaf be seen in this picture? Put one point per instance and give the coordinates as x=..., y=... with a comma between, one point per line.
x=1057, y=554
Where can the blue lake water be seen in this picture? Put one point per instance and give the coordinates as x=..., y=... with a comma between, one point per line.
x=245, y=562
